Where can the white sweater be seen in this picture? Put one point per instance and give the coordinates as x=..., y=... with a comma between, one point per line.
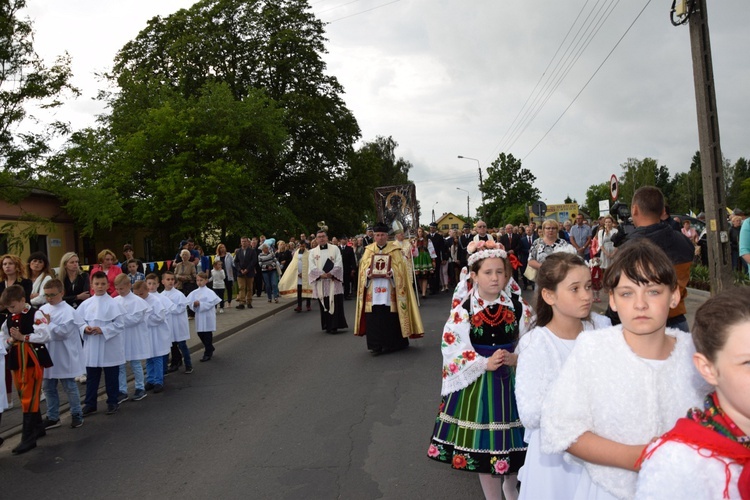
x=607, y=389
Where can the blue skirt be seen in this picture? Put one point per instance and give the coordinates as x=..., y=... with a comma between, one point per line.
x=477, y=428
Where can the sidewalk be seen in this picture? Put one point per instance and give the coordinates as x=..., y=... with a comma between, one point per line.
x=230, y=322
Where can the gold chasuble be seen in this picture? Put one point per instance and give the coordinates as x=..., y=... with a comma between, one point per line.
x=403, y=298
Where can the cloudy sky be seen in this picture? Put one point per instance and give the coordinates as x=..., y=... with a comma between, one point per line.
x=479, y=77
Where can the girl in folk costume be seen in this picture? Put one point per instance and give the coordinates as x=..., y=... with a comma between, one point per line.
x=563, y=305
x=597, y=274
x=424, y=262
x=295, y=279
x=24, y=334
x=707, y=454
x=12, y=272
x=478, y=428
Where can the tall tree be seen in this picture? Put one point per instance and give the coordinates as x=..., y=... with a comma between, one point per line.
x=594, y=194
x=507, y=189
x=25, y=82
x=739, y=172
x=688, y=188
x=274, y=45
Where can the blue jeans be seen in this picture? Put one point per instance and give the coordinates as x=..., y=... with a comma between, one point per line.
x=155, y=370
x=181, y=352
x=271, y=280
x=49, y=386
x=137, y=368
x=111, y=383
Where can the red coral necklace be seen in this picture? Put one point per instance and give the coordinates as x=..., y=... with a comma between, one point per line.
x=493, y=319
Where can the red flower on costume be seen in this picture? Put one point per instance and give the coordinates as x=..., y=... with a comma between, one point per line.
x=476, y=320
x=449, y=338
x=456, y=317
x=501, y=467
x=453, y=367
x=433, y=451
x=508, y=316
x=470, y=355
x=455, y=304
x=480, y=302
x=459, y=461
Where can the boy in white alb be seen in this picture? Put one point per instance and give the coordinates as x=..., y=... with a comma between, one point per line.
x=178, y=319
x=202, y=300
x=624, y=385
x=152, y=282
x=66, y=352
x=160, y=338
x=103, y=344
x=135, y=336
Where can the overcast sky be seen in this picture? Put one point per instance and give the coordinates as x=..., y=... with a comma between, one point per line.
x=450, y=77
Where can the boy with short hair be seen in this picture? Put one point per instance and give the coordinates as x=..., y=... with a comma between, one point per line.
x=103, y=344
x=133, y=273
x=24, y=334
x=135, y=336
x=152, y=282
x=625, y=385
x=178, y=319
x=202, y=300
x=66, y=352
x=159, y=338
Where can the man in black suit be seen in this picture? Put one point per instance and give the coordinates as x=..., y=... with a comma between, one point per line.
x=510, y=241
x=368, y=238
x=350, y=265
x=245, y=259
x=522, y=252
x=438, y=241
x=463, y=242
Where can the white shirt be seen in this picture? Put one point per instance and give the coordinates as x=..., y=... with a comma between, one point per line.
x=205, y=314
x=107, y=349
x=177, y=317
x=65, y=346
x=135, y=333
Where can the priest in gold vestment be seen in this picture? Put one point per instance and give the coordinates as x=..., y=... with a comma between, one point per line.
x=386, y=312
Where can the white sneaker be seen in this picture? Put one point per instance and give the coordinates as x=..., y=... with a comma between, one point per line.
x=221, y=310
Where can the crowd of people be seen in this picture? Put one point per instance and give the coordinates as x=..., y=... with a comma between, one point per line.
x=573, y=404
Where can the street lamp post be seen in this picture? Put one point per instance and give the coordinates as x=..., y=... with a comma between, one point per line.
x=468, y=212
x=433, y=211
x=479, y=167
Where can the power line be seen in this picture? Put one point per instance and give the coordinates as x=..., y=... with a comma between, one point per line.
x=362, y=12
x=338, y=6
x=589, y=80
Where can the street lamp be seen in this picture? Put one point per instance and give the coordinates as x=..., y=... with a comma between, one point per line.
x=433, y=211
x=468, y=212
x=479, y=167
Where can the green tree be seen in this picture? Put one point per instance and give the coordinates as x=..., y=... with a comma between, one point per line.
x=273, y=45
x=507, y=189
x=739, y=172
x=688, y=189
x=594, y=194
x=26, y=82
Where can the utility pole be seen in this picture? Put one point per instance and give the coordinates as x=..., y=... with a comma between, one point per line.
x=714, y=197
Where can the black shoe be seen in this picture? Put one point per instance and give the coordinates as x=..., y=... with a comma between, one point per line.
x=88, y=410
x=122, y=397
x=249, y=306
x=241, y=306
x=173, y=368
x=158, y=388
x=139, y=394
x=148, y=386
x=76, y=422
x=376, y=352
x=51, y=424
x=112, y=409
x=205, y=358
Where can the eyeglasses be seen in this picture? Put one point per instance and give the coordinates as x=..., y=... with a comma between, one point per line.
x=550, y=228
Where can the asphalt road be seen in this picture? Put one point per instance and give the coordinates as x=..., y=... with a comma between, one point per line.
x=283, y=410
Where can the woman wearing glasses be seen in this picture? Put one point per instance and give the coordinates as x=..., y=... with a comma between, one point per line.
x=548, y=243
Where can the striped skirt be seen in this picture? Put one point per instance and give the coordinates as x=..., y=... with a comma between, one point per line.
x=477, y=428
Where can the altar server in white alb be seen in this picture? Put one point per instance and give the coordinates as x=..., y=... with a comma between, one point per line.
x=160, y=337
x=66, y=352
x=152, y=282
x=202, y=300
x=326, y=275
x=135, y=335
x=563, y=310
x=625, y=385
x=103, y=344
x=178, y=320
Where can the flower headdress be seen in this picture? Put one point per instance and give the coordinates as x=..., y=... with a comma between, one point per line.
x=479, y=250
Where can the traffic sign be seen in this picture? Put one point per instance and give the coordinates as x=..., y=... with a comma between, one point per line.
x=613, y=187
x=539, y=208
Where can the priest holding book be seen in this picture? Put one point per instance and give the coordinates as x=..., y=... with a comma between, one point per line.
x=387, y=311
x=326, y=275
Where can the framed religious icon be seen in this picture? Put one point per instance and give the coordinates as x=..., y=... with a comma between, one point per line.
x=380, y=266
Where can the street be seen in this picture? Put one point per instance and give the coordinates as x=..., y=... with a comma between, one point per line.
x=283, y=410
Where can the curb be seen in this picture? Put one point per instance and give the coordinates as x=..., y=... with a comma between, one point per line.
x=65, y=407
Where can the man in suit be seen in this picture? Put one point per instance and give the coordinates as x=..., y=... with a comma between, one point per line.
x=522, y=252
x=463, y=242
x=246, y=259
x=438, y=241
x=350, y=265
x=510, y=241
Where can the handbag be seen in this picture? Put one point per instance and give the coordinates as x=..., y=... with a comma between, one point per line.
x=530, y=273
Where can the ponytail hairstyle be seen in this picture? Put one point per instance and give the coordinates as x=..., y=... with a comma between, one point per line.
x=553, y=271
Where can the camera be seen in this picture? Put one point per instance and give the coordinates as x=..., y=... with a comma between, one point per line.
x=621, y=212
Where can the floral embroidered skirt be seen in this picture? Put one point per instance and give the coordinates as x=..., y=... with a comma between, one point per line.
x=477, y=428
x=423, y=263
